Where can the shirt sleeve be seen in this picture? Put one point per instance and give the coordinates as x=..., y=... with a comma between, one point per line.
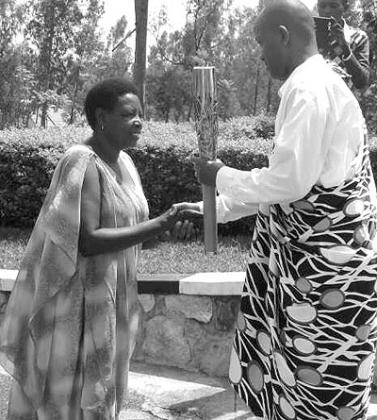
x=296, y=162
x=358, y=64
x=229, y=209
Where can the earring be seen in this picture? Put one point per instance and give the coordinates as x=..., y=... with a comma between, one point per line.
x=101, y=126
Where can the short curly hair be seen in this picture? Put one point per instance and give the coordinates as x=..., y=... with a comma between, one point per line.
x=105, y=95
x=346, y=4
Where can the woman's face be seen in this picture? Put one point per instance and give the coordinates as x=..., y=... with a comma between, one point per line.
x=331, y=8
x=122, y=125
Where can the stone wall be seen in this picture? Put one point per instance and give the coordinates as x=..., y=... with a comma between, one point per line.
x=190, y=327
x=4, y=296
x=191, y=332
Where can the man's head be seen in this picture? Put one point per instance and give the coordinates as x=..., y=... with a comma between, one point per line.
x=285, y=32
x=332, y=8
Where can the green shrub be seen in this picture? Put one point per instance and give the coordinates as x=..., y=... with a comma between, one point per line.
x=168, y=177
x=28, y=158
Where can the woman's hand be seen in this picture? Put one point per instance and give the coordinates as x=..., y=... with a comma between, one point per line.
x=174, y=227
x=185, y=229
x=168, y=219
x=182, y=229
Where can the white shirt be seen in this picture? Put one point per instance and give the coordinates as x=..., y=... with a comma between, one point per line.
x=319, y=129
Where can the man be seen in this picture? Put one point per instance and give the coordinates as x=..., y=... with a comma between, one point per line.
x=306, y=332
x=350, y=46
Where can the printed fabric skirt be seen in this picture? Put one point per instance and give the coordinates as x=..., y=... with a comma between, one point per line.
x=306, y=332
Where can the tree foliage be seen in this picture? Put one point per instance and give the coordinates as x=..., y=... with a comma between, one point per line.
x=369, y=96
x=52, y=51
x=141, y=14
x=16, y=78
x=216, y=35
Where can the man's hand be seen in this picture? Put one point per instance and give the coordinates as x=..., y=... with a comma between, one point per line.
x=337, y=33
x=186, y=208
x=206, y=171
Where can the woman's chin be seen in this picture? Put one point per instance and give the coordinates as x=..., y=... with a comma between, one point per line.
x=131, y=141
x=135, y=138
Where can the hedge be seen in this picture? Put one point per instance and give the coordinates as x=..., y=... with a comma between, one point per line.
x=28, y=158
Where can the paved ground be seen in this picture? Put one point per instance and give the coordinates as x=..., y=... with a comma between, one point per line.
x=161, y=393
x=172, y=394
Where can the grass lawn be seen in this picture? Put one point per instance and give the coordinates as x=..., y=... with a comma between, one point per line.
x=159, y=257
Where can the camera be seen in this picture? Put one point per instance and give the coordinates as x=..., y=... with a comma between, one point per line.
x=323, y=31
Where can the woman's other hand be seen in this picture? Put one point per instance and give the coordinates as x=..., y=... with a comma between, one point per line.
x=183, y=230
x=186, y=229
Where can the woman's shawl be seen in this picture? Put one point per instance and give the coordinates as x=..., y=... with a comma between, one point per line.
x=54, y=277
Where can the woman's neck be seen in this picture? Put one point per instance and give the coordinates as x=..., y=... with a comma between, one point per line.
x=103, y=148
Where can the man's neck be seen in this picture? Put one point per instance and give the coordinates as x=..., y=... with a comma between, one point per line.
x=300, y=58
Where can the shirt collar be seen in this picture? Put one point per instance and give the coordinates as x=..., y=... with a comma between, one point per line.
x=308, y=63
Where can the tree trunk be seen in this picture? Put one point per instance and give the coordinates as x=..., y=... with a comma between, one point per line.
x=44, y=115
x=269, y=86
x=256, y=89
x=45, y=57
x=141, y=14
x=74, y=96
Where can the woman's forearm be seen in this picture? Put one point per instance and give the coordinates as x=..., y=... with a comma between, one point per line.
x=104, y=240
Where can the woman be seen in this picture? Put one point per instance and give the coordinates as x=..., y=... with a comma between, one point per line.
x=71, y=321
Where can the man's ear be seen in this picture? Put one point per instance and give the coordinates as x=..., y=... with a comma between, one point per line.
x=284, y=34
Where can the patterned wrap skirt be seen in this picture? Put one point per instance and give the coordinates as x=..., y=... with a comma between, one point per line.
x=307, y=328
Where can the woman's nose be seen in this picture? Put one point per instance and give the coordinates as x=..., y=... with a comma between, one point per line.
x=137, y=123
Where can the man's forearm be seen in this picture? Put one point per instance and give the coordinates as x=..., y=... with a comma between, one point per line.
x=358, y=72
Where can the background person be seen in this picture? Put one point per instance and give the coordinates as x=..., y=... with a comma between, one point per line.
x=71, y=321
x=306, y=333
x=350, y=46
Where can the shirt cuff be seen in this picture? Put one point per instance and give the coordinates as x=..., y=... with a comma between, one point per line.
x=225, y=180
x=348, y=57
x=200, y=206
